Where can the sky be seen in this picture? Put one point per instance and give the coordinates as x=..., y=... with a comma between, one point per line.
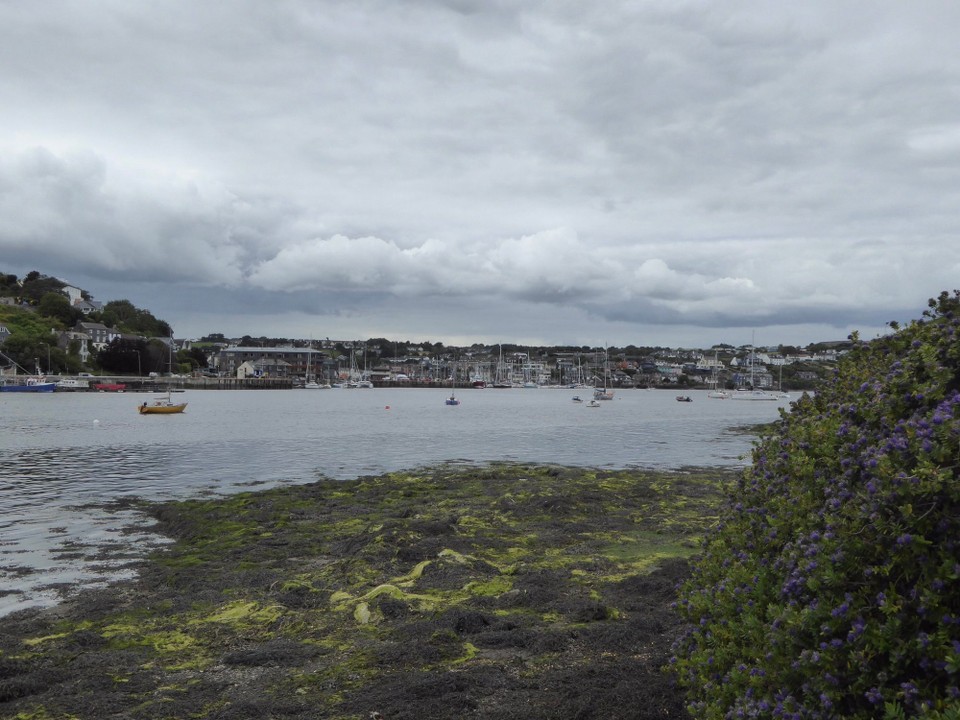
x=655, y=173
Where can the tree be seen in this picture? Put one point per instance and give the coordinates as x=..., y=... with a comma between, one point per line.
x=23, y=350
x=158, y=357
x=9, y=287
x=57, y=306
x=117, y=312
x=124, y=356
x=71, y=360
x=193, y=358
x=35, y=286
x=127, y=317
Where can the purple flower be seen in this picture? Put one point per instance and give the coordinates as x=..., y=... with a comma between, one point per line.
x=909, y=691
x=873, y=696
x=856, y=629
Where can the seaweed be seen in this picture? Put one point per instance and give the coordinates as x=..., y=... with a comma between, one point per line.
x=503, y=591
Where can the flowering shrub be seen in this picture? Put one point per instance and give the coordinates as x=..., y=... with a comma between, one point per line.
x=831, y=586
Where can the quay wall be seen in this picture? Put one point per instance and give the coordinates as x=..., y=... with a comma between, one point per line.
x=133, y=383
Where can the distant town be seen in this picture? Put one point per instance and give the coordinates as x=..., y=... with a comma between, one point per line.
x=48, y=327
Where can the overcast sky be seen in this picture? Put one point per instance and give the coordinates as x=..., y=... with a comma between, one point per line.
x=563, y=172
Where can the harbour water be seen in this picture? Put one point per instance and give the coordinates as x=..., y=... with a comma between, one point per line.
x=71, y=459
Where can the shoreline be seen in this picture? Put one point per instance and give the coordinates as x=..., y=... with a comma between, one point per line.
x=503, y=591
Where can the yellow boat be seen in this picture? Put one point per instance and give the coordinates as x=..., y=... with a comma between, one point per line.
x=162, y=406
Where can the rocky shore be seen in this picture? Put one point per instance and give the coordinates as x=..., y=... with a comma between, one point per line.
x=502, y=592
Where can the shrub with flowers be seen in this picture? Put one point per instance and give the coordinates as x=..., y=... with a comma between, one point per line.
x=831, y=586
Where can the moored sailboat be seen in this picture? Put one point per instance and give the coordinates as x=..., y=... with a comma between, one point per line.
x=716, y=392
x=453, y=400
x=605, y=393
x=162, y=406
x=753, y=392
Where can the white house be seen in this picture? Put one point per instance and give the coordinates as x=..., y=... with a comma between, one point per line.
x=264, y=367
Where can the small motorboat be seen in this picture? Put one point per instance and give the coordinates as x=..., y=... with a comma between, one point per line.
x=577, y=399
x=684, y=398
x=593, y=403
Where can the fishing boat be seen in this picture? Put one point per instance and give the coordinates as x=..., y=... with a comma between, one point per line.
x=478, y=379
x=162, y=406
x=72, y=384
x=29, y=383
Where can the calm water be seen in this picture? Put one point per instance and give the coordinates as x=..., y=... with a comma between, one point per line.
x=65, y=454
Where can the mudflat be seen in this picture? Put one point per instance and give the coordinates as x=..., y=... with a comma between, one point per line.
x=498, y=592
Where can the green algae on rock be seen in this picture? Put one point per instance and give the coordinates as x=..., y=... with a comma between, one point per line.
x=502, y=591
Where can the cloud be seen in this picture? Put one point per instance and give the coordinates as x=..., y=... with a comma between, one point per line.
x=63, y=205
x=651, y=165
